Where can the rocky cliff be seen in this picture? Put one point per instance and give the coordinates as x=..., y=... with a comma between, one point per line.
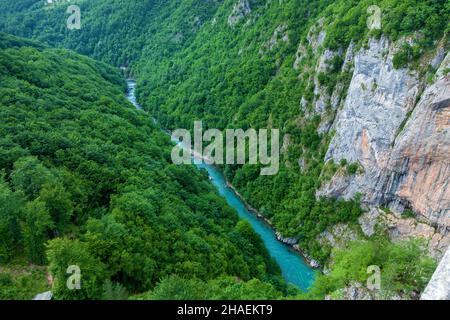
x=396, y=128
x=418, y=171
x=359, y=121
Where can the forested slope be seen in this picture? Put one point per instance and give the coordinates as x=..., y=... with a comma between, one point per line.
x=113, y=31
x=87, y=180
x=345, y=95
x=246, y=64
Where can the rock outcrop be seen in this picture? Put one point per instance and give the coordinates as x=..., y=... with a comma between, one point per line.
x=338, y=236
x=401, y=168
x=419, y=164
x=279, y=35
x=44, y=296
x=439, y=286
x=400, y=229
x=240, y=11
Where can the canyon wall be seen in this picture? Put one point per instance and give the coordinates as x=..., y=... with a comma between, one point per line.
x=397, y=129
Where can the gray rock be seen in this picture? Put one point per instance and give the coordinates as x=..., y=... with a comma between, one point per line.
x=289, y=241
x=368, y=221
x=303, y=104
x=378, y=101
x=44, y=296
x=437, y=60
x=240, y=11
x=280, y=34
x=349, y=56
x=299, y=55
x=337, y=236
x=439, y=286
x=302, y=163
x=323, y=98
x=419, y=166
x=316, y=35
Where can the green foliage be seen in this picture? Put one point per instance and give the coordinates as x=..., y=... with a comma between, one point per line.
x=114, y=291
x=223, y=288
x=36, y=225
x=405, y=267
x=352, y=168
x=107, y=167
x=11, y=211
x=192, y=67
x=91, y=176
x=63, y=253
x=406, y=55
x=20, y=281
x=408, y=213
x=398, y=18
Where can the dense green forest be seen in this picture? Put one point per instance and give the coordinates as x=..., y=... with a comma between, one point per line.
x=230, y=78
x=87, y=180
x=191, y=64
x=406, y=271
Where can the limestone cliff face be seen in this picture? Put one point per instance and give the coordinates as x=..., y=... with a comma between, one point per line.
x=419, y=166
x=402, y=168
x=378, y=100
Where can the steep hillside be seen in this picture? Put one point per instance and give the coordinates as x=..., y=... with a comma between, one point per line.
x=114, y=31
x=364, y=109
x=350, y=99
x=86, y=180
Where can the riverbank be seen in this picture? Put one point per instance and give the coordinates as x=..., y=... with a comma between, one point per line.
x=297, y=268
x=291, y=242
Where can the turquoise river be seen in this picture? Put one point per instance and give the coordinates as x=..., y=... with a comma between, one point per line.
x=293, y=267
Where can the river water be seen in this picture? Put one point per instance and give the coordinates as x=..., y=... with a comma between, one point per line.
x=293, y=267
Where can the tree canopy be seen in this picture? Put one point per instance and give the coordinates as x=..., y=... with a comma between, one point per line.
x=86, y=180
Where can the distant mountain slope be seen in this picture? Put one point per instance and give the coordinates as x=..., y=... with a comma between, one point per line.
x=113, y=31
